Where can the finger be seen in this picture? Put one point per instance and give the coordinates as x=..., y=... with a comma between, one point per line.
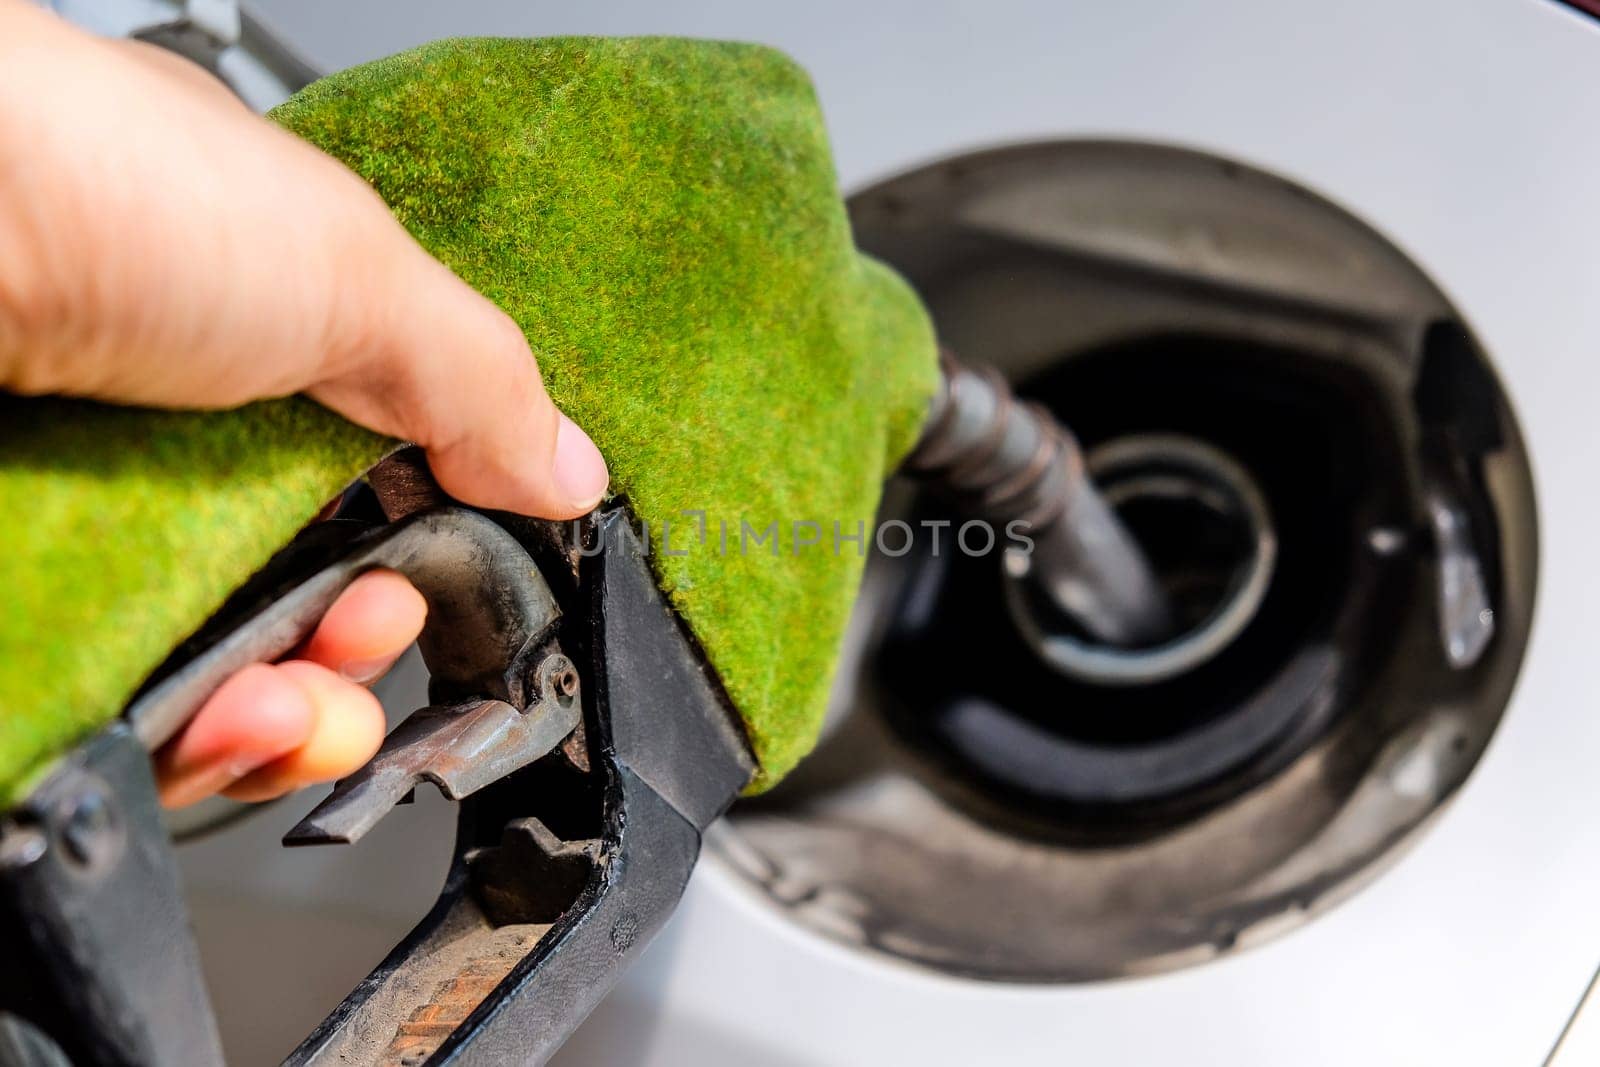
x=348, y=729
x=182, y=70
x=441, y=366
x=257, y=716
x=374, y=620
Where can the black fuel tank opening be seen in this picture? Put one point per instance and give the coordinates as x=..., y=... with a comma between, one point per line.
x=1055, y=752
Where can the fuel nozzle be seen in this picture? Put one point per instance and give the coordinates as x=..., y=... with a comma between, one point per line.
x=1010, y=461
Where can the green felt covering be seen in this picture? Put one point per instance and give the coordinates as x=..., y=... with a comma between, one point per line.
x=661, y=218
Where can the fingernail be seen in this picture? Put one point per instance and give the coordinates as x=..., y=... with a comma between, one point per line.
x=580, y=471
x=362, y=671
x=207, y=780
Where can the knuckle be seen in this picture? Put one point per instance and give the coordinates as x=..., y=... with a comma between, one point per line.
x=53, y=281
x=35, y=316
x=507, y=342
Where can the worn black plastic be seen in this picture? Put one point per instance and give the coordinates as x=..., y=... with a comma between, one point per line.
x=98, y=955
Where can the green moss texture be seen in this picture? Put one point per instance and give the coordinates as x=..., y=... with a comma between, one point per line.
x=661, y=217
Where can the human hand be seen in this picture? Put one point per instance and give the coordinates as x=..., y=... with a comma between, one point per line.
x=161, y=245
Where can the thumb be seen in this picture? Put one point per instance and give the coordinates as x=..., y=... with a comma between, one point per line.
x=439, y=365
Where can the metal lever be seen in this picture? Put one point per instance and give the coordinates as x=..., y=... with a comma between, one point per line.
x=460, y=749
x=489, y=612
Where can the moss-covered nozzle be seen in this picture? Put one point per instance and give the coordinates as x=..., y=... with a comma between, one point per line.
x=661, y=217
